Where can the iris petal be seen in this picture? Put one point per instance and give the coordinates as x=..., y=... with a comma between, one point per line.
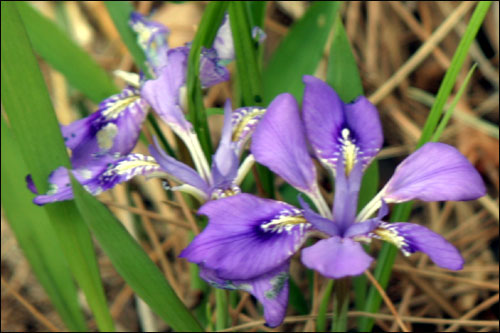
x=435, y=172
x=247, y=236
x=336, y=257
x=411, y=237
x=279, y=143
x=271, y=289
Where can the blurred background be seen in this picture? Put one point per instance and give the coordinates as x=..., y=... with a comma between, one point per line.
x=385, y=37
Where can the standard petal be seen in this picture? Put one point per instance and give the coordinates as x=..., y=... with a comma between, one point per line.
x=335, y=129
x=163, y=94
x=244, y=121
x=435, y=172
x=211, y=72
x=223, y=42
x=113, y=129
x=279, y=143
x=225, y=162
x=411, y=237
x=336, y=257
x=176, y=170
x=271, y=289
x=152, y=38
x=247, y=236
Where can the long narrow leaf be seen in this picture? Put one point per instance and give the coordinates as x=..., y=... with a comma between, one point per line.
x=132, y=263
x=53, y=45
x=303, y=47
x=210, y=22
x=34, y=125
x=402, y=212
x=36, y=236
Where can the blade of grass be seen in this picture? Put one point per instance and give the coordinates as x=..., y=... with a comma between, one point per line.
x=303, y=47
x=323, y=307
x=343, y=76
x=36, y=236
x=34, y=125
x=62, y=53
x=210, y=22
x=132, y=262
x=402, y=212
x=248, y=70
x=451, y=108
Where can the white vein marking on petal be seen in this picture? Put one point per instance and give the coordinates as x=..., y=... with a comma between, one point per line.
x=114, y=106
x=389, y=233
x=106, y=135
x=133, y=165
x=286, y=220
x=243, y=120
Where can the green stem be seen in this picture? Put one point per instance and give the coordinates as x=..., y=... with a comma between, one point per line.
x=221, y=309
x=340, y=306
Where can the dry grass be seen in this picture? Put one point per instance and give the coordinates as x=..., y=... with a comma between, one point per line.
x=399, y=46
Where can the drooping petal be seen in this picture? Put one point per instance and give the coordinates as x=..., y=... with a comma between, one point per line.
x=100, y=175
x=244, y=121
x=152, y=38
x=176, y=170
x=411, y=237
x=211, y=72
x=223, y=42
x=271, y=289
x=336, y=129
x=225, y=162
x=247, y=236
x=319, y=222
x=164, y=93
x=279, y=143
x=435, y=172
x=113, y=129
x=336, y=257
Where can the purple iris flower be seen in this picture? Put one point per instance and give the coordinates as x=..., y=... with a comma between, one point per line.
x=101, y=141
x=249, y=240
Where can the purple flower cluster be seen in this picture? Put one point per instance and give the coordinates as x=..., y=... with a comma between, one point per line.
x=249, y=241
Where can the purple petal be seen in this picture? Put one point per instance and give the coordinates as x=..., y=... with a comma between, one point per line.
x=152, y=38
x=319, y=222
x=225, y=162
x=346, y=194
x=335, y=129
x=163, y=94
x=411, y=237
x=181, y=172
x=223, y=42
x=271, y=289
x=279, y=143
x=244, y=121
x=435, y=172
x=113, y=129
x=336, y=257
x=31, y=184
x=361, y=228
x=211, y=72
x=247, y=236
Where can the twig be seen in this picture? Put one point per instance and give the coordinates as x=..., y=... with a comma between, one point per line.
x=483, y=306
x=386, y=299
x=37, y=314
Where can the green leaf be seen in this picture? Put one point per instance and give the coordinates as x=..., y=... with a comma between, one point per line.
x=36, y=236
x=34, y=125
x=249, y=76
x=62, y=53
x=120, y=14
x=342, y=72
x=132, y=263
x=402, y=212
x=323, y=307
x=300, y=51
x=209, y=25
